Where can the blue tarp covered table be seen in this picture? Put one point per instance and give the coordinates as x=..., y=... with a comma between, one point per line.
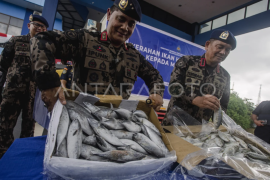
x=24, y=159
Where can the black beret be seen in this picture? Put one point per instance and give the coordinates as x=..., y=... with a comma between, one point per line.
x=224, y=36
x=39, y=19
x=130, y=8
x=48, y=80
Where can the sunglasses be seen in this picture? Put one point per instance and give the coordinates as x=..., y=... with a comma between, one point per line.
x=37, y=25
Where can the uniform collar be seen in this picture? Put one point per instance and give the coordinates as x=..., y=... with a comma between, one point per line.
x=203, y=64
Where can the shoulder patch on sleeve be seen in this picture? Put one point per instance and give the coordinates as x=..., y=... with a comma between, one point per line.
x=64, y=71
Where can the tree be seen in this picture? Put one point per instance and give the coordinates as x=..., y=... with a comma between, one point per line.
x=240, y=110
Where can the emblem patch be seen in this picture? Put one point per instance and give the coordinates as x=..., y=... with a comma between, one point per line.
x=99, y=48
x=31, y=17
x=92, y=64
x=102, y=66
x=178, y=49
x=103, y=36
x=128, y=72
x=93, y=77
x=64, y=71
x=224, y=35
x=123, y=4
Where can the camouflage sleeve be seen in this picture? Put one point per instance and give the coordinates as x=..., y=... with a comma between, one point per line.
x=7, y=54
x=151, y=77
x=177, y=83
x=224, y=101
x=47, y=46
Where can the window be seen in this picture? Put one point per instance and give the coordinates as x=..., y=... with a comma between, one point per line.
x=10, y=25
x=236, y=16
x=205, y=27
x=257, y=8
x=219, y=22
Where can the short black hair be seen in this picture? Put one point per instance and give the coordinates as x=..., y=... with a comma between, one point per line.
x=114, y=8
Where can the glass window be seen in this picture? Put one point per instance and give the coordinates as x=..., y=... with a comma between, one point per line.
x=205, y=27
x=4, y=18
x=16, y=22
x=236, y=16
x=15, y=31
x=257, y=8
x=3, y=28
x=219, y=22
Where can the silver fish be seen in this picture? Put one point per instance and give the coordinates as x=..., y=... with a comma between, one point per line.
x=124, y=114
x=122, y=134
x=256, y=150
x=149, y=124
x=258, y=156
x=199, y=144
x=140, y=114
x=144, y=130
x=230, y=150
x=74, y=139
x=104, y=145
x=87, y=153
x=204, y=138
x=213, y=136
x=62, y=149
x=239, y=155
x=107, y=113
x=217, y=118
x=219, y=142
x=242, y=143
x=74, y=114
x=133, y=145
x=62, y=127
x=223, y=136
x=104, y=133
x=81, y=109
x=148, y=145
x=131, y=126
x=243, y=150
x=112, y=123
x=255, y=160
x=122, y=155
x=147, y=157
x=232, y=144
x=90, y=140
x=90, y=107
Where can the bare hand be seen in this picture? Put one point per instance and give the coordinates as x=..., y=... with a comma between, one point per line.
x=258, y=123
x=50, y=96
x=207, y=102
x=158, y=101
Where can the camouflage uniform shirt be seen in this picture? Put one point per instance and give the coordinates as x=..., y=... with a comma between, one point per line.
x=197, y=80
x=98, y=67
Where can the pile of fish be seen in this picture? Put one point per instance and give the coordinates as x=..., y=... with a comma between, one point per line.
x=229, y=145
x=98, y=133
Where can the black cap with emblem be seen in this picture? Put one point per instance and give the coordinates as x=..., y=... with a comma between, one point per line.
x=224, y=36
x=130, y=8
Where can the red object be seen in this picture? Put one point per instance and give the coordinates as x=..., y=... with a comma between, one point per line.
x=3, y=35
x=202, y=63
x=58, y=61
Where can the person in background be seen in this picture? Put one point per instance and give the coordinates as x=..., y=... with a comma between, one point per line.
x=19, y=91
x=66, y=76
x=261, y=117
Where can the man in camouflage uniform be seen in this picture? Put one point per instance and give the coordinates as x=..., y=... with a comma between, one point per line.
x=67, y=76
x=19, y=90
x=102, y=61
x=199, y=85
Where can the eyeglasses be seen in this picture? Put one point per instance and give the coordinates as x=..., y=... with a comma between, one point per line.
x=37, y=25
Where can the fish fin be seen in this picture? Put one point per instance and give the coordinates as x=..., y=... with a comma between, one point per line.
x=111, y=105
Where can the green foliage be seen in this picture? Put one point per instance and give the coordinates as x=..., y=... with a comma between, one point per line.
x=240, y=110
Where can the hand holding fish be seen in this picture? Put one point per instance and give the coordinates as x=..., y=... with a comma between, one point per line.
x=207, y=102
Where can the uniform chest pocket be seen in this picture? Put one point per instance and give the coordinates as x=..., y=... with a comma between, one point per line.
x=220, y=84
x=192, y=85
x=22, y=58
x=96, y=64
x=130, y=74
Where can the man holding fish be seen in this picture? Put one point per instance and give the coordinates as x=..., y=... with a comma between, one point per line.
x=199, y=85
x=103, y=62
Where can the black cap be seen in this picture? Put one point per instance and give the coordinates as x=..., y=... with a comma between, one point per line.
x=224, y=36
x=130, y=8
x=39, y=19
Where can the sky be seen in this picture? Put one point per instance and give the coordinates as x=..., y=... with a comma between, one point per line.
x=249, y=65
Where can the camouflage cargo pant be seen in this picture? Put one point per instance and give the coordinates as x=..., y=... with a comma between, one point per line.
x=14, y=101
